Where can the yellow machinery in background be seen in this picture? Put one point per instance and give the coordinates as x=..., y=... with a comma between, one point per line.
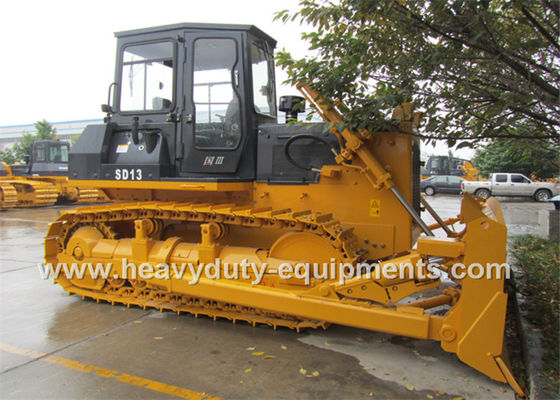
x=202, y=176
x=36, y=191
x=470, y=172
x=19, y=191
x=43, y=181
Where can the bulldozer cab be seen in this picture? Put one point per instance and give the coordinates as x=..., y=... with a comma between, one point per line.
x=186, y=102
x=48, y=158
x=444, y=165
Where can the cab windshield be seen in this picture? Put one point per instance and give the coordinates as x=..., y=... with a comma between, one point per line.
x=58, y=153
x=147, y=77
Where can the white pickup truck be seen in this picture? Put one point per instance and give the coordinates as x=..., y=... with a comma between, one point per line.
x=505, y=184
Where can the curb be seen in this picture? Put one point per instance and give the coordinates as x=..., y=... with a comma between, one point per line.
x=531, y=342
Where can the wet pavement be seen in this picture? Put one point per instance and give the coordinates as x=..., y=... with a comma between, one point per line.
x=58, y=346
x=520, y=214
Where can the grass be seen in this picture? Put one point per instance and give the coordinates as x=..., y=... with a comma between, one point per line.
x=539, y=261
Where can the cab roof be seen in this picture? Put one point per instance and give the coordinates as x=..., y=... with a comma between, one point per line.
x=199, y=27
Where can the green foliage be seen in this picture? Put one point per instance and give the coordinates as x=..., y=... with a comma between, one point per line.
x=44, y=130
x=478, y=69
x=23, y=149
x=539, y=261
x=518, y=155
x=74, y=139
x=7, y=156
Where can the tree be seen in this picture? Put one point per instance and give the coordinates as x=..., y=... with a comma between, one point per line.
x=478, y=69
x=74, y=139
x=44, y=130
x=518, y=155
x=24, y=148
x=7, y=156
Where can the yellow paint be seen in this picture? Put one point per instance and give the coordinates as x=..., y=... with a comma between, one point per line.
x=22, y=352
x=110, y=374
x=43, y=191
x=183, y=186
x=374, y=207
x=271, y=224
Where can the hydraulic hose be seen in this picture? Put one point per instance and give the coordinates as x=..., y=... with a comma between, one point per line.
x=304, y=136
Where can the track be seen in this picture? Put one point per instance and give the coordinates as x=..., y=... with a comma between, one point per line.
x=106, y=219
x=88, y=195
x=8, y=196
x=30, y=193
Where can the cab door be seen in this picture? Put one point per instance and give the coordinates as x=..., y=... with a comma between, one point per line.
x=521, y=185
x=144, y=128
x=214, y=119
x=454, y=184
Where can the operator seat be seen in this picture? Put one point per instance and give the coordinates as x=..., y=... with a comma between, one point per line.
x=160, y=103
x=232, y=123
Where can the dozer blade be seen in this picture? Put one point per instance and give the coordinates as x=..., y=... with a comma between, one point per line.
x=472, y=327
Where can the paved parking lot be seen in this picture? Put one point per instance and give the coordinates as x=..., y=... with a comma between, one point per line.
x=520, y=214
x=58, y=346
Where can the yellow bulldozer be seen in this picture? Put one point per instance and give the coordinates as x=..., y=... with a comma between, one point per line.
x=292, y=225
x=42, y=181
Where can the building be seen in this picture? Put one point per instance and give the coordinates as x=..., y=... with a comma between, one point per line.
x=64, y=130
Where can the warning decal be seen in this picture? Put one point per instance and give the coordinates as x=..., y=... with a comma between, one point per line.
x=122, y=148
x=374, y=208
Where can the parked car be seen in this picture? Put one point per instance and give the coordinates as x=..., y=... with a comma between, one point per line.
x=506, y=184
x=441, y=184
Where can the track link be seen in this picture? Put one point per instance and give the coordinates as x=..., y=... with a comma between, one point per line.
x=160, y=300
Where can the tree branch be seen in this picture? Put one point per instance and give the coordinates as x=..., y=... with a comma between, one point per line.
x=515, y=66
x=552, y=8
x=496, y=136
x=539, y=27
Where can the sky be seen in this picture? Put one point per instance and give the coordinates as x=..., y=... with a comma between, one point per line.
x=58, y=55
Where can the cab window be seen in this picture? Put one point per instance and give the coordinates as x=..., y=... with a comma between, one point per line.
x=58, y=153
x=263, y=85
x=455, y=179
x=217, y=106
x=519, y=179
x=147, y=77
x=40, y=152
x=501, y=178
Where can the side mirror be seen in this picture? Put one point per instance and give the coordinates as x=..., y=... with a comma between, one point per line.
x=106, y=108
x=292, y=106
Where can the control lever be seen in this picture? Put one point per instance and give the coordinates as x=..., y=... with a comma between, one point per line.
x=134, y=130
